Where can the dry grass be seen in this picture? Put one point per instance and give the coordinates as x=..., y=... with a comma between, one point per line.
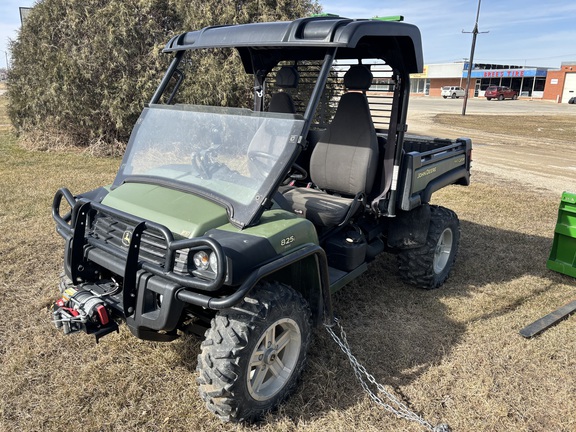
x=453, y=354
x=4, y=120
x=57, y=140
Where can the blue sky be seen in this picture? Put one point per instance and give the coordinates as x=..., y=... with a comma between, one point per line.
x=521, y=32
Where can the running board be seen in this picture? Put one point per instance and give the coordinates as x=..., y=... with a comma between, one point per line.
x=339, y=278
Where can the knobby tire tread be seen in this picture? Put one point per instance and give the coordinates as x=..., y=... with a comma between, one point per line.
x=220, y=377
x=416, y=266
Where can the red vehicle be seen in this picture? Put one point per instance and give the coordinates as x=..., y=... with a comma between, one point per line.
x=500, y=93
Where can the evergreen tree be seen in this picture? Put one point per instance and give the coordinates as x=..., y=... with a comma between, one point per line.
x=83, y=69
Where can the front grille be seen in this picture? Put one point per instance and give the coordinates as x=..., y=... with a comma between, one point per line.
x=112, y=231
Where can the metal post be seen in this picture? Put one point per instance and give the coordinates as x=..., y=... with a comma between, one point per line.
x=7, y=64
x=167, y=76
x=471, y=62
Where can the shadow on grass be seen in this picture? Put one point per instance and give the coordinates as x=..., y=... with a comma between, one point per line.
x=398, y=332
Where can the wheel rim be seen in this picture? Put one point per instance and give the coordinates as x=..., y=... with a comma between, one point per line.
x=274, y=359
x=443, y=250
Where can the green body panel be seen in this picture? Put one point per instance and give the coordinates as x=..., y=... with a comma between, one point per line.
x=188, y=216
x=563, y=254
x=285, y=231
x=185, y=214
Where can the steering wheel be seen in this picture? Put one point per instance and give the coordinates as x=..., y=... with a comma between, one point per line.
x=204, y=161
x=297, y=172
x=262, y=161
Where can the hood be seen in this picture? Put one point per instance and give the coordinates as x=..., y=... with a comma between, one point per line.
x=185, y=214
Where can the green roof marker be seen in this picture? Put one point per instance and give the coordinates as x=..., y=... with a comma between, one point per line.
x=325, y=15
x=389, y=18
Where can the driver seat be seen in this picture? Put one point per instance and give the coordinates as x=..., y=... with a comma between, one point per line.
x=343, y=163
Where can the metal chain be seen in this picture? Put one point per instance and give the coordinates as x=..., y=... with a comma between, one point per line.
x=394, y=406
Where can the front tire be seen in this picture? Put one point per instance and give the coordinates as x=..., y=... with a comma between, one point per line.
x=254, y=353
x=428, y=266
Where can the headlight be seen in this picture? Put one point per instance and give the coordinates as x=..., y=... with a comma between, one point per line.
x=213, y=262
x=199, y=263
x=202, y=260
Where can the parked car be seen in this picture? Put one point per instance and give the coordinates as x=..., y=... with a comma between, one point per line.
x=452, y=92
x=500, y=93
x=572, y=100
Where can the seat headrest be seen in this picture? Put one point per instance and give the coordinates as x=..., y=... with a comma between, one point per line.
x=358, y=77
x=287, y=77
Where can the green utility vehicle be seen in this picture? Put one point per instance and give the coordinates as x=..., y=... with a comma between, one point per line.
x=239, y=224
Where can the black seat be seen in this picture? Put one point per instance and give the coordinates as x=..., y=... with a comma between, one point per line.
x=344, y=161
x=281, y=102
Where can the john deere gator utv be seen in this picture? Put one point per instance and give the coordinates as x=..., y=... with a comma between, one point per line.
x=239, y=224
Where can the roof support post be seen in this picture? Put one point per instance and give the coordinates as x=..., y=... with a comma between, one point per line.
x=167, y=76
x=403, y=81
x=318, y=89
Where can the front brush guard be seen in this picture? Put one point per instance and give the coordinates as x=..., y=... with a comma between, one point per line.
x=75, y=227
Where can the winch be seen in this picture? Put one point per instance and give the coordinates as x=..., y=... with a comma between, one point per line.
x=80, y=309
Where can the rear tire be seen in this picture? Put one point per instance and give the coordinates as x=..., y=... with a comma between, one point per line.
x=428, y=266
x=514, y=97
x=453, y=95
x=500, y=97
x=254, y=353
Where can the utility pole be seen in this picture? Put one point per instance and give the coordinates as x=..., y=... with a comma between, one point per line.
x=471, y=61
x=7, y=64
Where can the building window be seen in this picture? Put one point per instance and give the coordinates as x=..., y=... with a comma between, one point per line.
x=420, y=85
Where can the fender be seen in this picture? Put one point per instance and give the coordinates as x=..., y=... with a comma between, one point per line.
x=284, y=269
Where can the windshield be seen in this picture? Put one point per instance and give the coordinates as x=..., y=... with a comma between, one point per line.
x=232, y=156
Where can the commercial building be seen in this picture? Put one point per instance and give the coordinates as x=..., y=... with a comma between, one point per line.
x=531, y=82
x=561, y=83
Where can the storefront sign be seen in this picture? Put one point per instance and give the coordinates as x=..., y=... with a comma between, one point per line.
x=424, y=73
x=505, y=73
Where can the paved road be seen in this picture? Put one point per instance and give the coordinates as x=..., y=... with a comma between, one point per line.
x=541, y=164
x=484, y=106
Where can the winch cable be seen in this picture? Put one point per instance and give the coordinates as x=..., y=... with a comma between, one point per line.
x=394, y=405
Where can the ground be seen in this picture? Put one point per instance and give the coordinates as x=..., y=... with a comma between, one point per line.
x=453, y=354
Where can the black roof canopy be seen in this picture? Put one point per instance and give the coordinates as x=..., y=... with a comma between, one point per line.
x=266, y=44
